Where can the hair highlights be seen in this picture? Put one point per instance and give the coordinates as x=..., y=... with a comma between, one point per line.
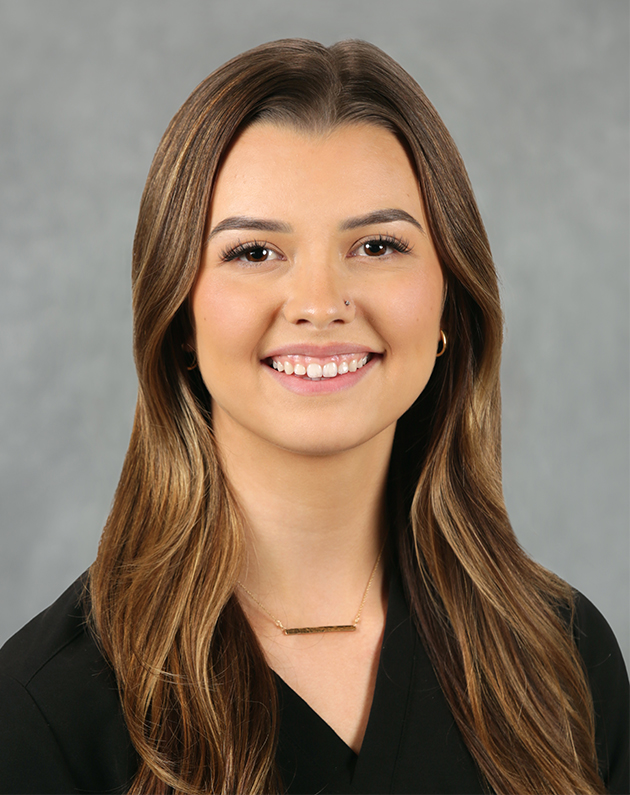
x=198, y=697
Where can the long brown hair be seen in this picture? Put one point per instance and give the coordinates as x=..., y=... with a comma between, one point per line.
x=197, y=695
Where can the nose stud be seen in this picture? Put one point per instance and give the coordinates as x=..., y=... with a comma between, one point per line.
x=347, y=303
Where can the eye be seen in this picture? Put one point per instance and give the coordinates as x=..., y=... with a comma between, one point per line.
x=253, y=253
x=381, y=246
x=375, y=248
x=256, y=254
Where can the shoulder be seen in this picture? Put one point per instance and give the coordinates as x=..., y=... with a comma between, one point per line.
x=45, y=636
x=608, y=680
x=600, y=652
x=593, y=635
x=61, y=724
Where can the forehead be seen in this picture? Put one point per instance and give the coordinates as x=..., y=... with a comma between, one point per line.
x=352, y=169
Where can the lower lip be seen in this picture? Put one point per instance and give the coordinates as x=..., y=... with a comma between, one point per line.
x=323, y=386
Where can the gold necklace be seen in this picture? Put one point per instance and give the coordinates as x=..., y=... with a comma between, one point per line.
x=312, y=630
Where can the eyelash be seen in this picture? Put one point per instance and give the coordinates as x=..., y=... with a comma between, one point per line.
x=232, y=253
x=397, y=243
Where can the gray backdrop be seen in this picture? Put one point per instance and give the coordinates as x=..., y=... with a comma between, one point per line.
x=536, y=95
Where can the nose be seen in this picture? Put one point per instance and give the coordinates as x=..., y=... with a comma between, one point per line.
x=319, y=295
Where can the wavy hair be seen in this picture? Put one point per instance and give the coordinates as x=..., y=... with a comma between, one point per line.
x=198, y=697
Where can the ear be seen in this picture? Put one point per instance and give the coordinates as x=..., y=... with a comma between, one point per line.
x=444, y=291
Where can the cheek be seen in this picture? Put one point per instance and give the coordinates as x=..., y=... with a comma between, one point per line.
x=414, y=311
x=226, y=320
x=415, y=330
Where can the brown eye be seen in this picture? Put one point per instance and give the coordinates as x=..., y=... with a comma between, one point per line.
x=253, y=253
x=257, y=254
x=374, y=248
x=381, y=247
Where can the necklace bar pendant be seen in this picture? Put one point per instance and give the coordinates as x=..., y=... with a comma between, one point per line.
x=314, y=630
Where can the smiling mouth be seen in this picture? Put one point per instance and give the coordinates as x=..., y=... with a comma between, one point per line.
x=330, y=367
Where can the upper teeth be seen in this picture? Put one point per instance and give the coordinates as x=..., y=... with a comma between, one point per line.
x=316, y=370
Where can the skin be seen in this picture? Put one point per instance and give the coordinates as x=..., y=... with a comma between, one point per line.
x=309, y=470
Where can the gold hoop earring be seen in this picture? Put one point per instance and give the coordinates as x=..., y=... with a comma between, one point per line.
x=443, y=341
x=192, y=364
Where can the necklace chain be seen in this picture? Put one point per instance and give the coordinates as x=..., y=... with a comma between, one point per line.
x=331, y=628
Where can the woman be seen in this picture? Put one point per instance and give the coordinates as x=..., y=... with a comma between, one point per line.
x=308, y=580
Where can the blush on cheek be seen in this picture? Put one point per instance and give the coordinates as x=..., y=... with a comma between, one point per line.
x=416, y=310
x=216, y=308
x=230, y=322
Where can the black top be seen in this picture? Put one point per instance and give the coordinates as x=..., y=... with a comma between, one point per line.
x=62, y=730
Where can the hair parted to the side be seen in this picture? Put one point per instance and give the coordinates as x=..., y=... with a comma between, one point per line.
x=197, y=694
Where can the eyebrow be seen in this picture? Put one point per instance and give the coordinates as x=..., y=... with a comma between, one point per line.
x=245, y=222
x=270, y=225
x=380, y=217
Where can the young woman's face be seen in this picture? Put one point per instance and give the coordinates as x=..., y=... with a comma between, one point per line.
x=317, y=307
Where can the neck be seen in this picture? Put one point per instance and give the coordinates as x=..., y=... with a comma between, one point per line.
x=314, y=526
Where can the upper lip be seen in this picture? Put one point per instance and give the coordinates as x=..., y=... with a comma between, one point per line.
x=319, y=351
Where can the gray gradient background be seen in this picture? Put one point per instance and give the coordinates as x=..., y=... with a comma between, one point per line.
x=536, y=96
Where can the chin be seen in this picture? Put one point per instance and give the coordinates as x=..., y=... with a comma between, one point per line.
x=333, y=442
x=317, y=449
